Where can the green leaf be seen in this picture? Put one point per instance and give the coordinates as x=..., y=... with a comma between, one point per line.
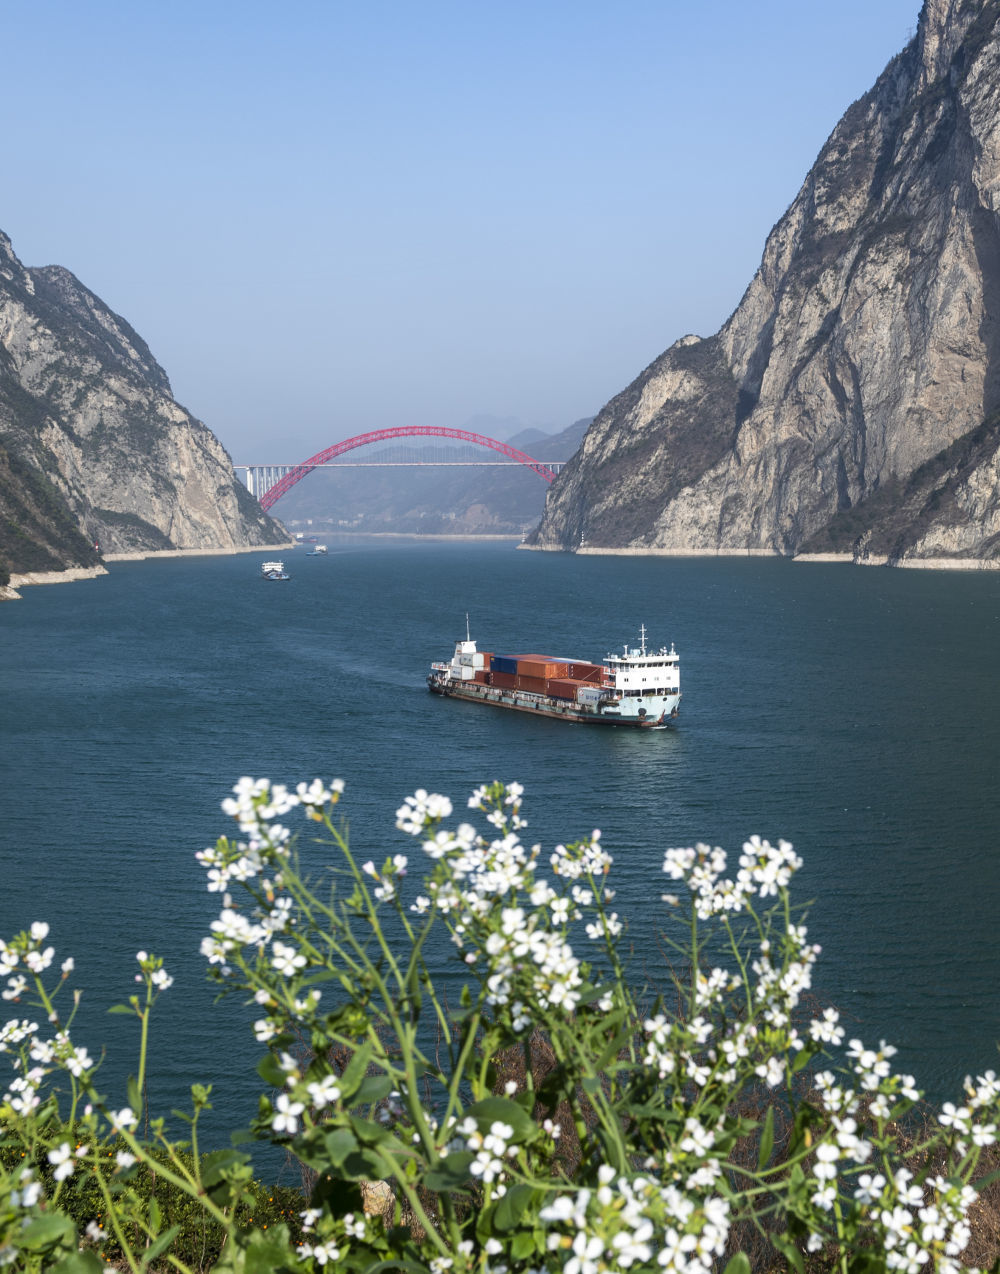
x=161, y=1245
x=219, y=1165
x=44, y=1232
x=589, y=992
x=766, y=1140
x=368, y=1132
x=134, y=1095
x=739, y=1264
x=78, y=1263
x=347, y=1020
x=373, y=1089
x=155, y=1215
x=270, y=1071
x=354, y=1073
x=268, y=1252
x=789, y=1251
x=364, y=1164
x=451, y=1173
x=511, y=1208
x=522, y=1246
x=396, y=1263
x=122, y=1008
x=491, y=1109
x=802, y=1058
x=339, y=1145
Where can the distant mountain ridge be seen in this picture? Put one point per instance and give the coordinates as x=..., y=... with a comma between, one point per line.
x=93, y=447
x=851, y=404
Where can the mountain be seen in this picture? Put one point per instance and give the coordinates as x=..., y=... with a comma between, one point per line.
x=432, y=500
x=93, y=447
x=851, y=403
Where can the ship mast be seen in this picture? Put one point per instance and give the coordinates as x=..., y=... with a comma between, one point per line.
x=642, y=637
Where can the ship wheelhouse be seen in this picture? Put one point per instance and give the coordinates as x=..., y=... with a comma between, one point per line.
x=639, y=673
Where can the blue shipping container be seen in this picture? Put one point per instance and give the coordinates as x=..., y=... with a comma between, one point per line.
x=503, y=663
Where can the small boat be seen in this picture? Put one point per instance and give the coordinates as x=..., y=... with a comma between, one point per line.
x=273, y=570
x=318, y=550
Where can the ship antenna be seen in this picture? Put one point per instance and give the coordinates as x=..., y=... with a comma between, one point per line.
x=467, y=637
x=642, y=636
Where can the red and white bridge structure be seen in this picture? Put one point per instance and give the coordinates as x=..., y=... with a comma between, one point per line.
x=269, y=482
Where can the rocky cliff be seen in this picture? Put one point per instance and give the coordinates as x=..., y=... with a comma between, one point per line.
x=93, y=447
x=852, y=401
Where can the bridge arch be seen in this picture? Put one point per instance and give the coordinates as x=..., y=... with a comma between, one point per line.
x=285, y=484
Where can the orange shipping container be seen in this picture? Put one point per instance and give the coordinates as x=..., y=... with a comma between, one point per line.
x=536, y=685
x=541, y=668
x=505, y=680
x=587, y=672
x=563, y=687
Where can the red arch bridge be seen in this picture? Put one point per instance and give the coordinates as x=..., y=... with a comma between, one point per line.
x=269, y=482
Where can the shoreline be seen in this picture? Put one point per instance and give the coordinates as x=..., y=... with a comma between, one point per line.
x=406, y=535
x=874, y=559
x=140, y=555
x=28, y=579
x=589, y=551
x=73, y=574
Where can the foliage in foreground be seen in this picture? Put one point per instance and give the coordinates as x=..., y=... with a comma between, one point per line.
x=559, y=1118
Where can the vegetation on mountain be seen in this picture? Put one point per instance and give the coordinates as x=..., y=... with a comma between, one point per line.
x=37, y=530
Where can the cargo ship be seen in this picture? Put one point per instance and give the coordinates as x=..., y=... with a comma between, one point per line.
x=638, y=688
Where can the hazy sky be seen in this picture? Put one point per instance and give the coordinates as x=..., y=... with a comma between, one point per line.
x=333, y=217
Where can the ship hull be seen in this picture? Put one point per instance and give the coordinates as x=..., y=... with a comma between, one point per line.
x=546, y=706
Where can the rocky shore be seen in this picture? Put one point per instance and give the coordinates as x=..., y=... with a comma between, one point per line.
x=27, y=579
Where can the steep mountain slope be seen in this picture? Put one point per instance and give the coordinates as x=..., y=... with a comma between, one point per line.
x=88, y=419
x=850, y=402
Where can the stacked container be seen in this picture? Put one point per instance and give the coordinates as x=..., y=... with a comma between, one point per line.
x=541, y=674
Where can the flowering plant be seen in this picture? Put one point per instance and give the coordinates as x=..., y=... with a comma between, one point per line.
x=556, y=1118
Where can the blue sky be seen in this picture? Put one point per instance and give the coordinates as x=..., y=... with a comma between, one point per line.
x=333, y=217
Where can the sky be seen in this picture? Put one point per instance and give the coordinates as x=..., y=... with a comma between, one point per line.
x=327, y=218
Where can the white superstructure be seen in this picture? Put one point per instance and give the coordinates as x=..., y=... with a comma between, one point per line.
x=646, y=683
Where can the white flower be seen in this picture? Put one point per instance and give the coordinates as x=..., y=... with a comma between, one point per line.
x=321, y=1252
x=420, y=809
x=826, y=1158
x=287, y=960
x=959, y=1118
x=285, y=1118
x=324, y=1091
x=826, y=1030
x=772, y=1072
x=586, y=1255
x=62, y=1160
x=870, y=1187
